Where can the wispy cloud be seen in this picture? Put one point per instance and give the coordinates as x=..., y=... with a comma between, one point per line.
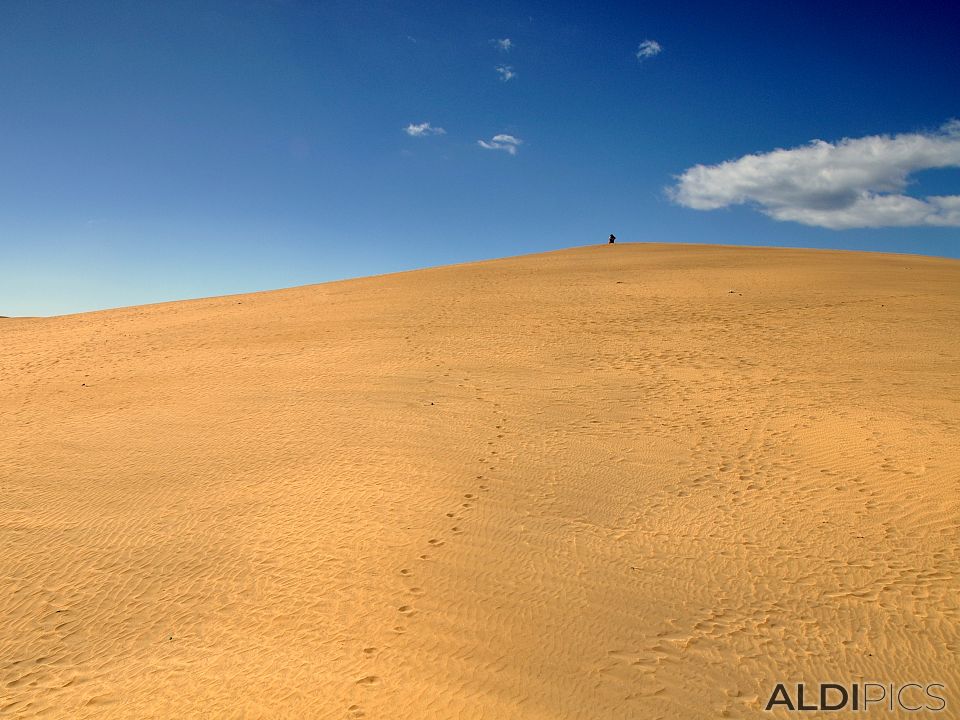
x=507, y=143
x=423, y=129
x=853, y=183
x=648, y=49
x=505, y=44
x=506, y=72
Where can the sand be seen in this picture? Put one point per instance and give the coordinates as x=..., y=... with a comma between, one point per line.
x=630, y=481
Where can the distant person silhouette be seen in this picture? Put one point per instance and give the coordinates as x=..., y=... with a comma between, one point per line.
x=613, y=238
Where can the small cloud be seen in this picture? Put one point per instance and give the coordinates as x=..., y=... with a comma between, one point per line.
x=504, y=44
x=648, y=49
x=506, y=72
x=507, y=143
x=853, y=183
x=423, y=129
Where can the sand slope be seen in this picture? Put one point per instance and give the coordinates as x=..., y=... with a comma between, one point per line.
x=635, y=481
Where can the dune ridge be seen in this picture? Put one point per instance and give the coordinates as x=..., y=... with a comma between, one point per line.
x=630, y=481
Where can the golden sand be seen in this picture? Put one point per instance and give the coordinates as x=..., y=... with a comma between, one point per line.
x=630, y=481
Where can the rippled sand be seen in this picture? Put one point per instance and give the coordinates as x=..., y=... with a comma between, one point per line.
x=630, y=481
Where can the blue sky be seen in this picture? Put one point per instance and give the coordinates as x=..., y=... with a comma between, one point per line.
x=159, y=151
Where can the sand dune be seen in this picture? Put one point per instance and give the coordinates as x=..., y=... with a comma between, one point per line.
x=631, y=481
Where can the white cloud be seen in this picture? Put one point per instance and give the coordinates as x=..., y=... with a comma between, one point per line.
x=853, y=183
x=423, y=129
x=506, y=72
x=648, y=48
x=505, y=44
x=507, y=143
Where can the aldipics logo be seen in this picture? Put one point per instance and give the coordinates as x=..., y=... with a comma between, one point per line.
x=890, y=697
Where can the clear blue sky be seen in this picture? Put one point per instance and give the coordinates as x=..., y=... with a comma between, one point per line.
x=163, y=150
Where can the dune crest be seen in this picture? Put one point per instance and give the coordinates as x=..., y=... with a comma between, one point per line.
x=627, y=481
